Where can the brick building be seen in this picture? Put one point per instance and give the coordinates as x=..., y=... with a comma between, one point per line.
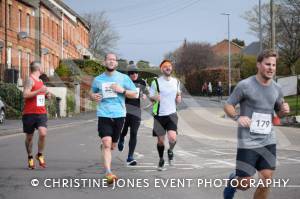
x=45, y=30
x=221, y=48
x=17, y=28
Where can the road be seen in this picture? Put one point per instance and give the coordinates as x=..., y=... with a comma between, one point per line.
x=205, y=153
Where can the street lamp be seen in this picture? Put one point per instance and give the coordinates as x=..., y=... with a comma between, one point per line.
x=229, y=53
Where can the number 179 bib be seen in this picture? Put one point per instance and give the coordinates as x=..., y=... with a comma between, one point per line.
x=261, y=123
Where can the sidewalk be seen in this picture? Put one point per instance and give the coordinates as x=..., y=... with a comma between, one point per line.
x=15, y=126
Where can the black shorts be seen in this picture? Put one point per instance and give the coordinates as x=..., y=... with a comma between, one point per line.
x=162, y=124
x=34, y=121
x=110, y=127
x=250, y=160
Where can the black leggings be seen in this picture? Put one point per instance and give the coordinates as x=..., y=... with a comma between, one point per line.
x=134, y=123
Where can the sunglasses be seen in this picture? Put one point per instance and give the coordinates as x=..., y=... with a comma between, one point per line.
x=132, y=72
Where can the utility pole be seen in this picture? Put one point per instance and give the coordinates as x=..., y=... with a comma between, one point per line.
x=260, y=28
x=272, y=15
x=229, y=52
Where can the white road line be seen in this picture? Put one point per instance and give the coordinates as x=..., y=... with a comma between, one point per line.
x=292, y=186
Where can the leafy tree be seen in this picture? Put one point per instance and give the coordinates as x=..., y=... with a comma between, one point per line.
x=143, y=64
x=239, y=42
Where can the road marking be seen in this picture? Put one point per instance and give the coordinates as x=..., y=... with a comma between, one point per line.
x=221, y=153
x=292, y=186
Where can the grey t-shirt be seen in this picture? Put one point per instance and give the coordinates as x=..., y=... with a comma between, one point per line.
x=256, y=98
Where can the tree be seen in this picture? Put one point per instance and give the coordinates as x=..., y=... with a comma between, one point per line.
x=102, y=37
x=289, y=33
x=287, y=29
x=239, y=42
x=143, y=64
x=193, y=56
x=122, y=64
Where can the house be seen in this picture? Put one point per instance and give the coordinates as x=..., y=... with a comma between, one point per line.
x=45, y=30
x=221, y=48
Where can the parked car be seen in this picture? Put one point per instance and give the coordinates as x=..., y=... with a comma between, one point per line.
x=2, y=112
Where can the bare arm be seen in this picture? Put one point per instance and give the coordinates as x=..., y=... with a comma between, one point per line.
x=27, y=93
x=95, y=96
x=284, y=109
x=244, y=121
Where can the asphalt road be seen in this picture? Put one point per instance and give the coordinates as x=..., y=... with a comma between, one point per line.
x=205, y=155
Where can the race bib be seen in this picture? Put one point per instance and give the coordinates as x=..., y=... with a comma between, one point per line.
x=40, y=100
x=261, y=123
x=107, y=91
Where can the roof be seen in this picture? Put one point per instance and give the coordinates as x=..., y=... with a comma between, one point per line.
x=81, y=19
x=226, y=40
x=252, y=49
x=52, y=8
x=30, y=3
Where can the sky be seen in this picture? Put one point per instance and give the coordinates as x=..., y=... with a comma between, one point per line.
x=148, y=29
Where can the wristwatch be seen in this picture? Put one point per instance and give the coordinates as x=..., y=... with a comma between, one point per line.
x=236, y=117
x=124, y=92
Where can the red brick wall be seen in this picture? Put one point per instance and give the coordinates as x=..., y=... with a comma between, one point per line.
x=50, y=39
x=222, y=48
x=25, y=45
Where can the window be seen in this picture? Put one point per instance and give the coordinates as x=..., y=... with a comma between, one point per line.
x=20, y=21
x=20, y=63
x=49, y=28
x=53, y=30
x=57, y=32
x=1, y=13
x=28, y=62
x=42, y=23
x=8, y=57
x=28, y=24
x=9, y=19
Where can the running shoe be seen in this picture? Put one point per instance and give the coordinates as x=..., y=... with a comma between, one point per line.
x=161, y=165
x=121, y=143
x=229, y=191
x=171, y=157
x=131, y=161
x=31, y=163
x=110, y=177
x=41, y=160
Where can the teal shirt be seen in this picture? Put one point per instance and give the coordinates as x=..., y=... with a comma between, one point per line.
x=112, y=104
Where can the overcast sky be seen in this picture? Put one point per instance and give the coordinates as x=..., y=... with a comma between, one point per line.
x=148, y=29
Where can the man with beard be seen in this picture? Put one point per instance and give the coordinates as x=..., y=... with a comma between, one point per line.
x=258, y=97
x=110, y=89
x=165, y=93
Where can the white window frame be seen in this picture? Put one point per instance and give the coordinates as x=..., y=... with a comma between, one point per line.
x=8, y=57
x=20, y=20
x=28, y=23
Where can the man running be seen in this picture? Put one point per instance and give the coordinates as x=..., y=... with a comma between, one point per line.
x=35, y=114
x=258, y=97
x=133, y=116
x=110, y=89
x=165, y=93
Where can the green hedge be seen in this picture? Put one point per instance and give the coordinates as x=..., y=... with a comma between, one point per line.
x=13, y=99
x=79, y=67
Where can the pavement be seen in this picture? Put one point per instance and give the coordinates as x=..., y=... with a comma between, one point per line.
x=15, y=126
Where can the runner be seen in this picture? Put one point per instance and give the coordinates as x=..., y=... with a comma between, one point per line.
x=35, y=114
x=110, y=89
x=133, y=116
x=258, y=97
x=165, y=93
